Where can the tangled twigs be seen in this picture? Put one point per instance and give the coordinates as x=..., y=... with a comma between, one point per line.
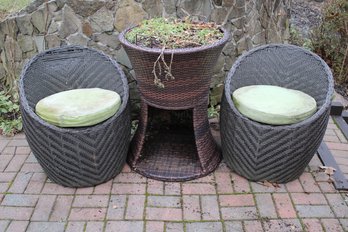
x=167, y=69
x=344, y=58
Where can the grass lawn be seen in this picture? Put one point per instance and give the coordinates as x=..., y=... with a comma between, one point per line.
x=11, y=6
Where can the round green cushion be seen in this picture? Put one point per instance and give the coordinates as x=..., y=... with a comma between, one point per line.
x=78, y=107
x=273, y=105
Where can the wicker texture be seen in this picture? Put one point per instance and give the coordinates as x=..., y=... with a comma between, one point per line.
x=174, y=155
x=75, y=157
x=174, y=151
x=191, y=67
x=275, y=153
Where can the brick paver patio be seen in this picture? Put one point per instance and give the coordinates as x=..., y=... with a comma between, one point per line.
x=222, y=201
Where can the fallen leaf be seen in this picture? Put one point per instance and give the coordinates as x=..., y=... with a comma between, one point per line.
x=270, y=184
x=330, y=180
x=328, y=170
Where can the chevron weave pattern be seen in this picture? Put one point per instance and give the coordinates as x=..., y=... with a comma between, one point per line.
x=275, y=153
x=75, y=157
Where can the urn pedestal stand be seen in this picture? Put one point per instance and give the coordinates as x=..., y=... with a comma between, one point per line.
x=173, y=141
x=178, y=148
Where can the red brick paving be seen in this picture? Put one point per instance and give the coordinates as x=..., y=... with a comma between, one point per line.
x=164, y=201
x=133, y=188
x=237, y=200
x=190, y=189
x=87, y=191
x=18, y=226
x=135, y=207
x=117, y=207
x=43, y=208
x=282, y=225
x=91, y=201
x=75, y=226
x=240, y=184
x=154, y=226
x=172, y=188
x=15, y=213
x=104, y=188
x=61, y=209
x=20, y=182
x=223, y=182
x=253, y=226
x=174, y=227
x=88, y=214
x=266, y=205
x=308, y=199
x=284, y=205
x=308, y=183
x=239, y=213
x=222, y=201
x=332, y=225
x=294, y=186
x=191, y=208
x=94, y=227
x=210, y=208
x=312, y=225
x=163, y=214
x=155, y=187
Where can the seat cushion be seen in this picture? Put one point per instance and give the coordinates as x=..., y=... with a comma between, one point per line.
x=78, y=107
x=273, y=105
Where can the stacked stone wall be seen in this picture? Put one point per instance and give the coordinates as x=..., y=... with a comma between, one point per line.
x=96, y=24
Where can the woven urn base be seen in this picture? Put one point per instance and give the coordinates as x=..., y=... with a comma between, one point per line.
x=173, y=145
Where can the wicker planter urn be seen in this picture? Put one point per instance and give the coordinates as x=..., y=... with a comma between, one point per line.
x=169, y=150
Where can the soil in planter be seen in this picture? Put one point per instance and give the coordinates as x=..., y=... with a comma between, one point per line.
x=165, y=34
x=173, y=33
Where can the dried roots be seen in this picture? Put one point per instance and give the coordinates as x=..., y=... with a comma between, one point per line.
x=161, y=65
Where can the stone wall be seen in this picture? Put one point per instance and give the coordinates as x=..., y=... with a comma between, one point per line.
x=96, y=23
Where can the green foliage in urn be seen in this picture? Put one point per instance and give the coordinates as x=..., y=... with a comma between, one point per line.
x=162, y=33
x=173, y=33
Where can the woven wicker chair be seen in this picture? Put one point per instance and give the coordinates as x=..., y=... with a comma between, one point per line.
x=275, y=153
x=75, y=157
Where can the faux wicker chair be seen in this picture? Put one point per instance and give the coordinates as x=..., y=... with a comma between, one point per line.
x=275, y=153
x=75, y=157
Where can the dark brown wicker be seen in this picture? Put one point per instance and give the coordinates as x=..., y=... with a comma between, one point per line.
x=191, y=67
x=75, y=157
x=171, y=154
x=275, y=153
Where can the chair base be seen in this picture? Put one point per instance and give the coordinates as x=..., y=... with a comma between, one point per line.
x=165, y=146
